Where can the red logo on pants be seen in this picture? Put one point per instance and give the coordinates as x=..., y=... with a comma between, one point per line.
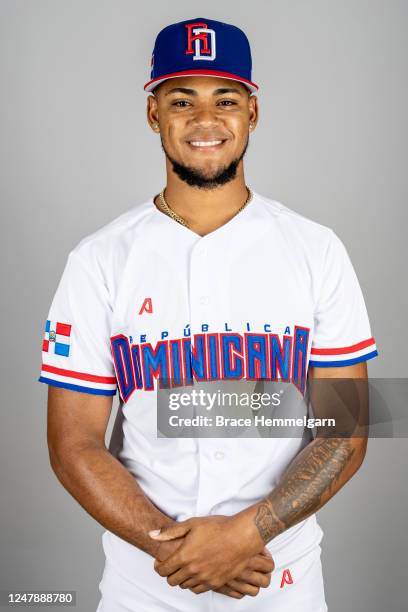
x=286, y=578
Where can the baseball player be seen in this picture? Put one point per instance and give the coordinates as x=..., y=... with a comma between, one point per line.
x=206, y=281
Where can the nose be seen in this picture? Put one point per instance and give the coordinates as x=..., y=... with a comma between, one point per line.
x=205, y=117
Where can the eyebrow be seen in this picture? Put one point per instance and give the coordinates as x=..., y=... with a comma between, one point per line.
x=192, y=92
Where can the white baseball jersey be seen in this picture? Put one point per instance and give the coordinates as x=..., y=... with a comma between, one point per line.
x=267, y=295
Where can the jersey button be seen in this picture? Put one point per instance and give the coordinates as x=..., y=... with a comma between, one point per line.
x=204, y=299
x=219, y=455
x=202, y=251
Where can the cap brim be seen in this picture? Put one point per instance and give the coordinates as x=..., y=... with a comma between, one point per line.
x=215, y=73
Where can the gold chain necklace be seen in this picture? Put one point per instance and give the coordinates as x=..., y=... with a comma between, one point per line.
x=171, y=213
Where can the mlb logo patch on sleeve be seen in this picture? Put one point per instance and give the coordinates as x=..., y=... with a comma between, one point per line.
x=57, y=338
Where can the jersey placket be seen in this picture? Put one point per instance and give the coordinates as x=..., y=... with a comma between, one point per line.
x=200, y=302
x=211, y=455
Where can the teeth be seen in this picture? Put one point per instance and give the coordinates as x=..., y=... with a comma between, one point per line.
x=207, y=143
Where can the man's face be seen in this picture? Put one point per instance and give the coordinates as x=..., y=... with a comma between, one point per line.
x=204, y=126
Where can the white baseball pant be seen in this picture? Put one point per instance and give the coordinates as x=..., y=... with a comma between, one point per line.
x=297, y=587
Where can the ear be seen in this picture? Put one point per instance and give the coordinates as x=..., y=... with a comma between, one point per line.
x=152, y=113
x=253, y=112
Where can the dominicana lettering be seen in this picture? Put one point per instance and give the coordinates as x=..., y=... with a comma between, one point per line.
x=210, y=356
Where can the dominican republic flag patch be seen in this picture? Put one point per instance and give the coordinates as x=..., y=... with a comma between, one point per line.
x=57, y=338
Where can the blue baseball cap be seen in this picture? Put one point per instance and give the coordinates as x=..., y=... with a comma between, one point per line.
x=201, y=47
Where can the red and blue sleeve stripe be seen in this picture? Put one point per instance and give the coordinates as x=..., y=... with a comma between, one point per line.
x=343, y=356
x=78, y=381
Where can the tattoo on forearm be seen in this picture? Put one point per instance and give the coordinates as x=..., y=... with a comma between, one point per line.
x=301, y=490
x=268, y=524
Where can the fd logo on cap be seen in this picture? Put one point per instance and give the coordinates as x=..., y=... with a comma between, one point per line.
x=204, y=41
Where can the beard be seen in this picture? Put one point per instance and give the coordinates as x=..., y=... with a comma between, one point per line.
x=196, y=178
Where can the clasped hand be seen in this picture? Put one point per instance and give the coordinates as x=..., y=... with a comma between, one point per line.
x=220, y=553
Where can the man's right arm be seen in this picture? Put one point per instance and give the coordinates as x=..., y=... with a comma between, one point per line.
x=76, y=427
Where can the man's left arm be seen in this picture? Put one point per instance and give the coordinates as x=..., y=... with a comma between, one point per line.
x=320, y=470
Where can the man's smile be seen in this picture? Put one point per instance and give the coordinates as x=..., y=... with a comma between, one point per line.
x=206, y=145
